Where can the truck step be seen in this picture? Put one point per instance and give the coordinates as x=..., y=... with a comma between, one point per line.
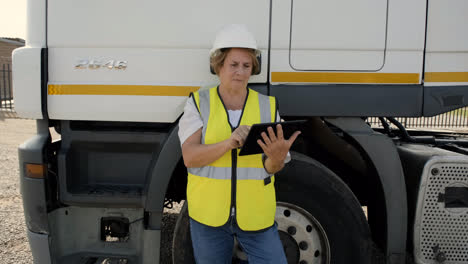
x=89, y=258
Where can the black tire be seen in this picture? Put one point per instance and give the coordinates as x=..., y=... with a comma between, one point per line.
x=310, y=185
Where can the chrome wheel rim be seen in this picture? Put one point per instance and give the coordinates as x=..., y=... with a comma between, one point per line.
x=303, y=238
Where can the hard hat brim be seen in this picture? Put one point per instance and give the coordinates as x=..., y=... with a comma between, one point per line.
x=213, y=50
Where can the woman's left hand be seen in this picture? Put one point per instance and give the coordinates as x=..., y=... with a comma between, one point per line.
x=276, y=147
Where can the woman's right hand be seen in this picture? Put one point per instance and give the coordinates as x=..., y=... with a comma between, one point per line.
x=238, y=136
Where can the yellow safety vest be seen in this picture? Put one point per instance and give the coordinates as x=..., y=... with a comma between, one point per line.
x=233, y=185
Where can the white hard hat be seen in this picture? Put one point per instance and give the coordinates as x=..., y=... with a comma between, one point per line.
x=234, y=36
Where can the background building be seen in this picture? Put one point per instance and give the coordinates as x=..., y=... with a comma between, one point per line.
x=7, y=45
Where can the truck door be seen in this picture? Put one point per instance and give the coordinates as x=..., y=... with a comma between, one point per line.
x=364, y=42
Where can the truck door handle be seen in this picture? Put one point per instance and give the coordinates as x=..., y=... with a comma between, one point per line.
x=454, y=197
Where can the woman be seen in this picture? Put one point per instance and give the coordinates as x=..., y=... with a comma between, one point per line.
x=230, y=195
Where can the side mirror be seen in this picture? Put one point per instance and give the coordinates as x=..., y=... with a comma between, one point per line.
x=259, y=58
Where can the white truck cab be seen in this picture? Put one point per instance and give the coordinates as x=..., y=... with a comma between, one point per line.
x=112, y=77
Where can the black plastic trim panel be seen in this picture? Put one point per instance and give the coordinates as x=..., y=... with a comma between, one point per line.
x=441, y=99
x=349, y=100
x=44, y=81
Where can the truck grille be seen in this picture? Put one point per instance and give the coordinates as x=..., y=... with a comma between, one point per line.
x=441, y=224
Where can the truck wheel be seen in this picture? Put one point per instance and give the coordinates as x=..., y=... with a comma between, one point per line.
x=319, y=219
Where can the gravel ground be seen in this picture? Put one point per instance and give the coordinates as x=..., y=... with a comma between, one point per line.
x=14, y=247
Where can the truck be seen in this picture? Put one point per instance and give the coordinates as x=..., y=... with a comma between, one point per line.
x=112, y=78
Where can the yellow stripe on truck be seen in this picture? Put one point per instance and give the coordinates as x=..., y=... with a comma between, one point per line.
x=95, y=89
x=446, y=77
x=344, y=77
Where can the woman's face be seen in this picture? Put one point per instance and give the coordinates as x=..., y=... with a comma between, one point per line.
x=236, y=70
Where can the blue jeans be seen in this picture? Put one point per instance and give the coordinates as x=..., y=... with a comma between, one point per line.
x=213, y=245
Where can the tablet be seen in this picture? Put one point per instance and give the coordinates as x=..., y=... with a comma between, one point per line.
x=251, y=146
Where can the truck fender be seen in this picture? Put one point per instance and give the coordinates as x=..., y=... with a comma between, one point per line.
x=159, y=175
x=384, y=156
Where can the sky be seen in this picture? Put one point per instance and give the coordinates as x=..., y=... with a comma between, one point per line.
x=13, y=18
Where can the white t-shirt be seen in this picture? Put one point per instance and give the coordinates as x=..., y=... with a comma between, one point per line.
x=191, y=121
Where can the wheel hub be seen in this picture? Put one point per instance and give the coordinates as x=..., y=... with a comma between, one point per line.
x=303, y=238
x=291, y=248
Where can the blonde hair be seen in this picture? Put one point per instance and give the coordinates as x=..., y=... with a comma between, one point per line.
x=219, y=56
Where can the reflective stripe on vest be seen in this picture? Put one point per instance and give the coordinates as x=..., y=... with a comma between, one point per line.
x=209, y=187
x=225, y=173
